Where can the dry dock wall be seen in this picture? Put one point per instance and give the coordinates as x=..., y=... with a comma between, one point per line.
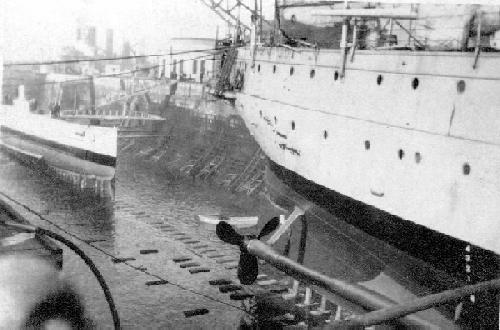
x=201, y=147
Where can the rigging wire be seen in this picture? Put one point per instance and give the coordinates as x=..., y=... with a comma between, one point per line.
x=110, y=75
x=55, y=62
x=113, y=257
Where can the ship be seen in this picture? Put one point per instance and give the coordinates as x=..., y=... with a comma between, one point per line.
x=106, y=100
x=384, y=116
x=82, y=154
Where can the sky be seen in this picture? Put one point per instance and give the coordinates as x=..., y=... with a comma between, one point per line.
x=37, y=29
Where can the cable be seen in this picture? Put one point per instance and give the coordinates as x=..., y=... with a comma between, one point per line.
x=114, y=74
x=54, y=62
x=81, y=254
x=117, y=74
x=40, y=231
x=180, y=286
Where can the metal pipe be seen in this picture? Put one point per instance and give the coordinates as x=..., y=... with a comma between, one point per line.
x=354, y=294
x=343, y=46
x=419, y=304
x=477, y=50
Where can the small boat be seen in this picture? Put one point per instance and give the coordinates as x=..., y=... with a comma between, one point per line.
x=240, y=222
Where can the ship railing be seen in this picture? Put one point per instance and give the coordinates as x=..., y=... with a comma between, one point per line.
x=479, y=19
x=360, y=14
x=379, y=309
x=105, y=112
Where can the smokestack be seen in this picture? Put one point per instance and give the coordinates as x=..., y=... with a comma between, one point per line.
x=109, y=42
x=91, y=37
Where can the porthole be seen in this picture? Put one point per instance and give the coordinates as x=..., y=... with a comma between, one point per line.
x=379, y=79
x=401, y=153
x=466, y=169
x=325, y=134
x=414, y=83
x=312, y=73
x=460, y=86
x=367, y=144
x=274, y=68
x=258, y=68
x=336, y=75
x=292, y=70
x=418, y=157
x=293, y=125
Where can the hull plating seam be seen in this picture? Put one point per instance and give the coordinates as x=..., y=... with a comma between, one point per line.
x=370, y=121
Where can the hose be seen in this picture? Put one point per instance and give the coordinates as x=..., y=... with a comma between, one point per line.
x=81, y=254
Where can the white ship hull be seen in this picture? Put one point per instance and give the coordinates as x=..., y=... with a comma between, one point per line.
x=411, y=133
x=81, y=149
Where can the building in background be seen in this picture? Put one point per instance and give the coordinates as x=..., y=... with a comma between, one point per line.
x=185, y=64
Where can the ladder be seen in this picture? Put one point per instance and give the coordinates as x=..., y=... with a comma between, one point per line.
x=225, y=73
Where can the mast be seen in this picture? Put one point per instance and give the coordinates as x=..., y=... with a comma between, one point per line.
x=277, y=25
x=260, y=21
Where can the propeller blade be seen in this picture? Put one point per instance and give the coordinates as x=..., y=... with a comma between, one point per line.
x=227, y=234
x=269, y=227
x=248, y=268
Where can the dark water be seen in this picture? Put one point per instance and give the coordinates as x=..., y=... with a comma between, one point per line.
x=150, y=211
